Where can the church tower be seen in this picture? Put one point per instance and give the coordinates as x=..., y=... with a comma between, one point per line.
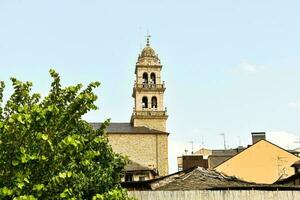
x=144, y=140
x=148, y=92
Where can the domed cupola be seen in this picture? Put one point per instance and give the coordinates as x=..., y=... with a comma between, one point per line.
x=148, y=56
x=148, y=52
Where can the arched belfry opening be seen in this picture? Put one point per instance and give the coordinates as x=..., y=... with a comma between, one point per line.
x=145, y=78
x=144, y=102
x=148, y=91
x=154, y=102
x=148, y=115
x=153, y=78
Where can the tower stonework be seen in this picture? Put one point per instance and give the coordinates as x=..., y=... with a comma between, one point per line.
x=149, y=110
x=144, y=140
x=148, y=92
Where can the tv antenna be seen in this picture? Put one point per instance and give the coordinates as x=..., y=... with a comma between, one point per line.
x=224, y=139
x=192, y=146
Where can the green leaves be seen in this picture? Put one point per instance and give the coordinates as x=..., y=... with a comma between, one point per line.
x=38, y=187
x=42, y=136
x=5, y=191
x=65, y=174
x=48, y=152
x=25, y=197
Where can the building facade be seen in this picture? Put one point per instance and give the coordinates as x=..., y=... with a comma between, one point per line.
x=148, y=92
x=144, y=140
x=263, y=162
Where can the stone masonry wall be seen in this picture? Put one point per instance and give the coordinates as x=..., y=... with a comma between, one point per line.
x=150, y=150
x=157, y=124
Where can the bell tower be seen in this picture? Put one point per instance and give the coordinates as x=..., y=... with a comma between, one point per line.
x=148, y=92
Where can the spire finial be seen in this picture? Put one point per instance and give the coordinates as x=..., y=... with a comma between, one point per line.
x=148, y=38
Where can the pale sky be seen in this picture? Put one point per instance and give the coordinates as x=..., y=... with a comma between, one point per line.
x=230, y=66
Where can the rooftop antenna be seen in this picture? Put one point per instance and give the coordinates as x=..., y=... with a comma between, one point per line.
x=297, y=141
x=185, y=151
x=239, y=138
x=224, y=140
x=192, y=146
x=280, y=165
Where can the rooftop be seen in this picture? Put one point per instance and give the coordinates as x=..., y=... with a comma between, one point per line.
x=198, y=178
x=127, y=128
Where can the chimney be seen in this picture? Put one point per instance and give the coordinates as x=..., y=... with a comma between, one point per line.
x=257, y=136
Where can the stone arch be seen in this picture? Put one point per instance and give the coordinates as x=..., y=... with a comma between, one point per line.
x=154, y=102
x=145, y=102
x=153, y=78
x=145, y=78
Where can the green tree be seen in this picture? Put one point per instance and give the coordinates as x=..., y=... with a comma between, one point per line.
x=48, y=152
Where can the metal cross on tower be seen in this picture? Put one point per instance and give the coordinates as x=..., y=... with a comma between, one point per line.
x=148, y=36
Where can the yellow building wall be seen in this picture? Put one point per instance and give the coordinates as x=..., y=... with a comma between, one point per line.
x=204, y=152
x=261, y=163
x=150, y=150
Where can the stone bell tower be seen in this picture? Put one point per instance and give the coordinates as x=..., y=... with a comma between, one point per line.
x=148, y=92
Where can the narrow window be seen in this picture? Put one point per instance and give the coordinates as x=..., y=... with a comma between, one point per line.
x=145, y=78
x=154, y=102
x=152, y=78
x=145, y=102
x=128, y=177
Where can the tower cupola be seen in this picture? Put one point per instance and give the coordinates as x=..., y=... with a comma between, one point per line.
x=148, y=91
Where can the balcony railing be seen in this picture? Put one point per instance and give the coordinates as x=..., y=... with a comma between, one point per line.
x=150, y=112
x=150, y=86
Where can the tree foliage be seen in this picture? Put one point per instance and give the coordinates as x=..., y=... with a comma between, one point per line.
x=48, y=152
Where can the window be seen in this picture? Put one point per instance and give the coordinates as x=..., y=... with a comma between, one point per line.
x=154, y=102
x=142, y=178
x=152, y=78
x=145, y=78
x=128, y=177
x=145, y=102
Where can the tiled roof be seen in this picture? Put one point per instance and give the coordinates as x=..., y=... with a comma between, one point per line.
x=198, y=178
x=227, y=151
x=126, y=128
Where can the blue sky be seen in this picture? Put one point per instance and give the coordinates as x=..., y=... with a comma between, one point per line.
x=230, y=66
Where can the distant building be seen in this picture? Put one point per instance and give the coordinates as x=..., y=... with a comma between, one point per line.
x=262, y=162
x=144, y=140
x=204, y=152
x=196, y=178
x=206, y=158
x=196, y=159
x=221, y=155
x=188, y=161
x=136, y=172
